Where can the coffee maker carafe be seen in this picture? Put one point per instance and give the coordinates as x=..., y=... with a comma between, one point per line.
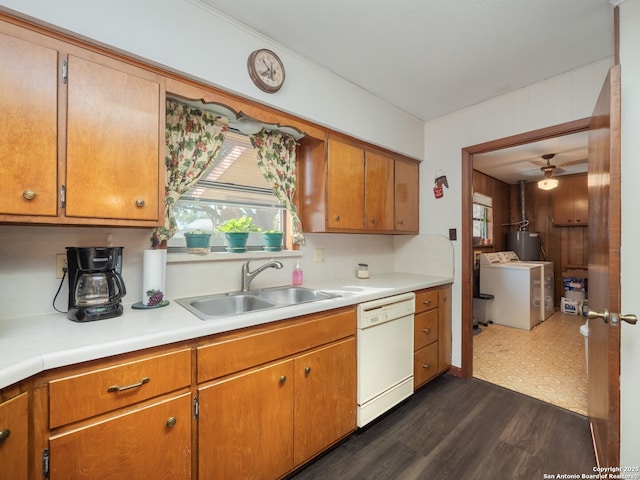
x=95, y=283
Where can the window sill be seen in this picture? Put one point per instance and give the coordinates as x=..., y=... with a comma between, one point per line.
x=224, y=256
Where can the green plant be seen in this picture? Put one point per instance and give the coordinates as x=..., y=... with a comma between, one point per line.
x=243, y=224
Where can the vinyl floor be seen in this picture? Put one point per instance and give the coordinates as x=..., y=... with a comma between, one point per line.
x=547, y=362
x=462, y=429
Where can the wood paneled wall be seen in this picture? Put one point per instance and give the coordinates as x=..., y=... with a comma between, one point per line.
x=566, y=247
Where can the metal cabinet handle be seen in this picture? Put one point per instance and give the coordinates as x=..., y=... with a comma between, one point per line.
x=307, y=370
x=427, y=302
x=171, y=422
x=400, y=222
x=426, y=365
x=283, y=378
x=29, y=194
x=337, y=218
x=4, y=434
x=427, y=330
x=444, y=298
x=373, y=220
x=139, y=203
x=116, y=388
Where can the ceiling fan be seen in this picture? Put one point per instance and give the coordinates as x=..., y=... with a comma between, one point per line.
x=548, y=182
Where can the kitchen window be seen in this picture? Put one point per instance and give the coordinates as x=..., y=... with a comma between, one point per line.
x=482, y=219
x=233, y=187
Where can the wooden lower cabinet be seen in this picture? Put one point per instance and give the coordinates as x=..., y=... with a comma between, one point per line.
x=245, y=425
x=14, y=433
x=432, y=334
x=153, y=441
x=325, y=398
x=263, y=423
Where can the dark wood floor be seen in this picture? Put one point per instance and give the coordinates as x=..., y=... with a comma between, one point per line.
x=463, y=429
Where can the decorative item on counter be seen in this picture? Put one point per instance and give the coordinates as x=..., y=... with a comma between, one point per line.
x=440, y=180
x=198, y=242
x=236, y=232
x=272, y=240
x=297, y=274
x=153, y=280
x=363, y=270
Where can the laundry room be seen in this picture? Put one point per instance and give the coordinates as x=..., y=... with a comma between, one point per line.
x=530, y=243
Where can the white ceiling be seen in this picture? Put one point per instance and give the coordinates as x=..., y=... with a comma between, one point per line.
x=432, y=57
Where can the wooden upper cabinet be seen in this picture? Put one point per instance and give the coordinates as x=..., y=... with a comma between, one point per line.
x=82, y=138
x=407, y=174
x=113, y=140
x=379, y=181
x=571, y=202
x=345, y=186
x=28, y=137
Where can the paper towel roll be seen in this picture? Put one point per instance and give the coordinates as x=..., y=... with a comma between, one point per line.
x=153, y=272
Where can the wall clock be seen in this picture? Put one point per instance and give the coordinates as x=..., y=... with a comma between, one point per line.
x=266, y=70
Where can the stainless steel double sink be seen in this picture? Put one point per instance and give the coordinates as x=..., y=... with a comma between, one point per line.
x=207, y=307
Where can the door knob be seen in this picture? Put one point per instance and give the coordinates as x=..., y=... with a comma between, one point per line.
x=604, y=315
x=627, y=317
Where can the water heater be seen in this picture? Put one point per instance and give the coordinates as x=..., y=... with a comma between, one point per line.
x=525, y=244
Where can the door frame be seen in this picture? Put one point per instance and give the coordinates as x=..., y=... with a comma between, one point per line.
x=581, y=125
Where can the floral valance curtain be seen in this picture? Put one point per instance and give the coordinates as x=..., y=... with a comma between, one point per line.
x=193, y=139
x=276, y=153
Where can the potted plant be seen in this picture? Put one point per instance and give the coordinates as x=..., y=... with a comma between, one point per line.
x=198, y=241
x=236, y=232
x=272, y=240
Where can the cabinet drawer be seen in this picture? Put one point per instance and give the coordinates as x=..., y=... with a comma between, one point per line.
x=425, y=364
x=239, y=353
x=426, y=300
x=425, y=329
x=101, y=390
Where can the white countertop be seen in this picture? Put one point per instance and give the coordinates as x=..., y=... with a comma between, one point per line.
x=34, y=344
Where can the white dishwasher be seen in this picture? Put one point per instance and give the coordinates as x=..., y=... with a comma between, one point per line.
x=385, y=354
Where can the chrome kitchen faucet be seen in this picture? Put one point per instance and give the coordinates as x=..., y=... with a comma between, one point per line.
x=248, y=276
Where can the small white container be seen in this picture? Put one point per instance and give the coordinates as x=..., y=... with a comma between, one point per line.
x=363, y=270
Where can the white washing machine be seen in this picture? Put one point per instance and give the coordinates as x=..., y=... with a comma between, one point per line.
x=515, y=286
x=544, y=297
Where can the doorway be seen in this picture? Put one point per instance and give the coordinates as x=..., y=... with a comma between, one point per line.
x=468, y=153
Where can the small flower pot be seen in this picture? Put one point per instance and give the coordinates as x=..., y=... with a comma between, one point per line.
x=272, y=241
x=236, y=241
x=198, y=243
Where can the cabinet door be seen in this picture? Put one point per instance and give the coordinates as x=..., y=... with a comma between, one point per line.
x=151, y=442
x=28, y=137
x=246, y=425
x=444, y=328
x=113, y=139
x=14, y=418
x=406, y=196
x=580, y=200
x=379, y=181
x=325, y=398
x=345, y=189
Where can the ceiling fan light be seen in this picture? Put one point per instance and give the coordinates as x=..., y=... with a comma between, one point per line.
x=548, y=183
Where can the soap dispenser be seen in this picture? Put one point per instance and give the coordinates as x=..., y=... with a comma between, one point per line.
x=297, y=274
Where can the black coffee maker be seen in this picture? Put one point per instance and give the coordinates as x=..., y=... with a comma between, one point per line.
x=95, y=283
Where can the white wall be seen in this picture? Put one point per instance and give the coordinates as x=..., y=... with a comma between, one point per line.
x=27, y=265
x=630, y=255
x=557, y=100
x=193, y=39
